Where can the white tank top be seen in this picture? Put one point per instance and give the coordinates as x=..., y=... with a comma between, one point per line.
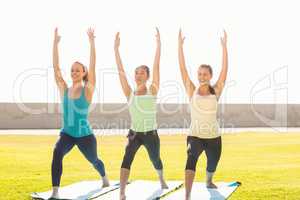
x=204, y=122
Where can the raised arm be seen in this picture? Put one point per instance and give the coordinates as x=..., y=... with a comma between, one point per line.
x=60, y=82
x=155, y=82
x=90, y=83
x=223, y=74
x=188, y=84
x=122, y=75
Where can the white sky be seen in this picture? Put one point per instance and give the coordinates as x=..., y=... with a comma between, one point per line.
x=263, y=45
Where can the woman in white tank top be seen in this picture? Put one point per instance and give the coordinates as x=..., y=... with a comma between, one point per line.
x=204, y=132
x=204, y=122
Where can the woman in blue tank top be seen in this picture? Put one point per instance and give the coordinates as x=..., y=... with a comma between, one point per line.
x=76, y=129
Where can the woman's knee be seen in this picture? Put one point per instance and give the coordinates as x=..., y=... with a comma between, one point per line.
x=212, y=164
x=97, y=162
x=57, y=153
x=157, y=163
x=127, y=160
x=99, y=166
x=211, y=168
x=191, y=162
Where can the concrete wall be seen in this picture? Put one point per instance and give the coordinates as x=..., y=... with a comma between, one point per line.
x=44, y=116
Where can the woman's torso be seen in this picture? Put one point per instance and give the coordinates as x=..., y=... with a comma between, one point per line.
x=142, y=110
x=75, y=115
x=204, y=122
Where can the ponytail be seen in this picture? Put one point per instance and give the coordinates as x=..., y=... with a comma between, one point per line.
x=211, y=90
x=86, y=76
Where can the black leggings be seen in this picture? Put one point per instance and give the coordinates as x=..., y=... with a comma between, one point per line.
x=151, y=142
x=87, y=145
x=212, y=148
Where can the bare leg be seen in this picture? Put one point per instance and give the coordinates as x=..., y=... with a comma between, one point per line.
x=55, y=192
x=189, y=179
x=162, y=180
x=105, y=182
x=209, y=182
x=124, y=175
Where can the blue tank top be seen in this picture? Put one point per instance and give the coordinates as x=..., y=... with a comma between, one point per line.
x=75, y=115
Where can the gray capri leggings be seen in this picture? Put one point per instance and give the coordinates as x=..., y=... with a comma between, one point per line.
x=196, y=146
x=151, y=142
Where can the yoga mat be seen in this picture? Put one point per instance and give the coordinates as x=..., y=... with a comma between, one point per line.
x=143, y=190
x=79, y=191
x=199, y=191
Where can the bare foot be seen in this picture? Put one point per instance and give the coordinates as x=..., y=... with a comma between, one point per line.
x=54, y=197
x=105, y=182
x=105, y=185
x=54, y=194
x=187, y=198
x=211, y=185
x=164, y=185
x=122, y=197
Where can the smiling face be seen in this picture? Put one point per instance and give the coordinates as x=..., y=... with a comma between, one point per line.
x=141, y=74
x=77, y=72
x=204, y=74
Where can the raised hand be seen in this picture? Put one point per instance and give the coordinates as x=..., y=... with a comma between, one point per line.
x=91, y=34
x=117, y=41
x=122, y=75
x=224, y=39
x=156, y=77
x=55, y=59
x=56, y=36
x=180, y=38
x=157, y=37
x=223, y=74
x=91, y=74
x=188, y=84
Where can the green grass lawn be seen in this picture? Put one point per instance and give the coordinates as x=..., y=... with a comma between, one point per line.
x=268, y=165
